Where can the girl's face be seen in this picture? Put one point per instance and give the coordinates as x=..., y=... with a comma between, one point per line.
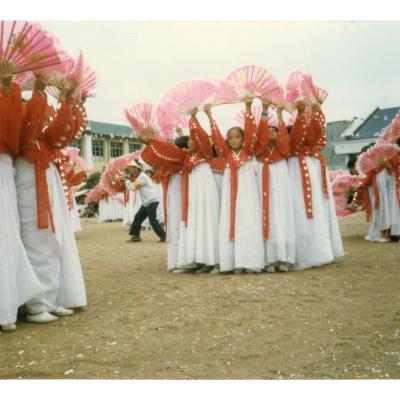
x=273, y=133
x=235, y=139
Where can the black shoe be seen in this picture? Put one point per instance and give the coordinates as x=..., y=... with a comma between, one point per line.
x=134, y=239
x=162, y=240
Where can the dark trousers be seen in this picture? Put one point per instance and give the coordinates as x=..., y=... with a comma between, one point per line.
x=144, y=212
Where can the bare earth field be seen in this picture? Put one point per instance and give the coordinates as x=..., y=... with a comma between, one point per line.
x=338, y=321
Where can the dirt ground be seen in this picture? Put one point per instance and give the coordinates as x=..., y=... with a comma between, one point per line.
x=339, y=321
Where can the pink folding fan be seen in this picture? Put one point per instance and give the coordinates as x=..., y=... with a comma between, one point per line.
x=142, y=116
x=251, y=80
x=376, y=157
x=26, y=46
x=177, y=103
x=256, y=111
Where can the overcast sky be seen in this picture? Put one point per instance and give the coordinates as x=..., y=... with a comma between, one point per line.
x=358, y=63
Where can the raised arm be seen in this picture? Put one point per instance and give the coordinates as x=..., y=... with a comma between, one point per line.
x=250, y=128
x=161, y=154
x=35, y=114
x=222, y=148
x=12, y=113
x=60, y=130
x=282, y=143
x=316, y=130
x=199, y=137
x=263, y=130
x=299, y=131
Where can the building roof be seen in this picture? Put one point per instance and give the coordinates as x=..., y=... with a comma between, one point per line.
x=373, y=124
x=334, y=130
x=104, y=128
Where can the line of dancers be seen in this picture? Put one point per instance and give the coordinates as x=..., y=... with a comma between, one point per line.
x=256, y=200
x=39, y=261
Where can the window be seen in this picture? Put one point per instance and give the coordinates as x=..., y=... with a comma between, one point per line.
x=116, y=149
x=76, y=143
x=98, y=150
x=134, y=147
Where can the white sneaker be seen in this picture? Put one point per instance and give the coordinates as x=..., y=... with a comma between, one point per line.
x=383, y=240
x=62, y=311
x=270, y=268
x=41, y=318
x=215, y=270
x=283, y=268
x=8, y=327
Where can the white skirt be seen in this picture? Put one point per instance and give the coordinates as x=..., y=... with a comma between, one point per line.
x=280, y=245
x=73, y=217
x=160, y=208
x=198, y=241
x=18, y=282
x=247, y=251
x=54, y=257
x=103, y=210
x=174, y=217
x=318, y=240
x=218, y=180
x=387, y=214
x=394, y=209
x=117, y=207
x=129, y=209
x=111, y=209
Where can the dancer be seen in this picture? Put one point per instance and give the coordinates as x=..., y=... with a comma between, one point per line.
x=275, y=193
x=318, y=239
x=198, y=242
x=153, y=154
x=378, y=191
x=45, y=230
x=198, y=237
x=18, y=282
x=240, y=232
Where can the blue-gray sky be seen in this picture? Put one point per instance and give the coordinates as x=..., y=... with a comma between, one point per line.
x=356, y=62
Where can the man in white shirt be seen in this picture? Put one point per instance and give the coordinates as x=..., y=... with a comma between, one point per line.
x=143, y=184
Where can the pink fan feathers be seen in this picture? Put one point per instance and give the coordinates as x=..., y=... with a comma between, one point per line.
x=293, y=87
x=73, y=154
x=111, y=179
x=343, y=189
x=142, y=116
x=335, y=174
x=251, y=80
x=376, y=157
x=277, y=97
x=96, y=194
x=256, y=111
x=300, y=86
x=392, y=132
x=85, y=77
x=225, y=94
x=175, y=106
x=75, y=71
x=27, y=47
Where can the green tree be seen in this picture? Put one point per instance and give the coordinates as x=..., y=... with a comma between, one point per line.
x=93, y=180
